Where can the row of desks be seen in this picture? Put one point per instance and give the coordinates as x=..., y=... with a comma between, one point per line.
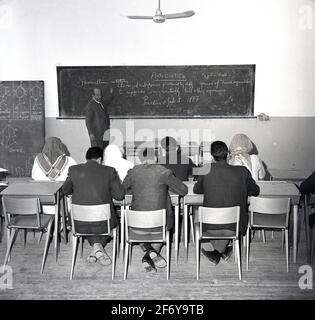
x=49, y=194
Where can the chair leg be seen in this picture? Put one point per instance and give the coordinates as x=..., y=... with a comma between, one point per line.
x=130, y=255
x=248, y=233
x=272, y=234
x=48, y=233
x=191, y=218
x=82, y=244
x=126, y=260
x=115, y=250
x=168, y=254
x=263, y=236
x=239, y=262
x=8, y=233
x=74, y=253
x=198, y=253
x=10, y=243
x=286, y=232
x=40, y=236
x=25, y=237
x=282, y=241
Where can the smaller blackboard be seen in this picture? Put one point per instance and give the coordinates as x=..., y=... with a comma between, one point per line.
x=160, y=91
x=22, y=125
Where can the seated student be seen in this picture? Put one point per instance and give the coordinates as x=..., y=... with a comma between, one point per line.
x=306, y=187
x=225, y=186
x=92, y=183
x=240, y=149
x=180, y=165
x=53, y=162
x=149, y=184
x=113, y=158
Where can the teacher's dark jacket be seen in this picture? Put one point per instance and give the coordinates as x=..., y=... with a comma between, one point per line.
x=227, y=186
x=92, y=183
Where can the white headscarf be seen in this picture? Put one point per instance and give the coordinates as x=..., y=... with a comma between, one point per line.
x=113, y=158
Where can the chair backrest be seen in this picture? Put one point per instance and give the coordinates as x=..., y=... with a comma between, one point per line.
x=228, y=215
x=90, y=213
x=146, y=220
x=13, y=206
x=270, y=206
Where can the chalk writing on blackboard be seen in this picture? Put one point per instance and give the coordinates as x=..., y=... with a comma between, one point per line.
x=160, y=91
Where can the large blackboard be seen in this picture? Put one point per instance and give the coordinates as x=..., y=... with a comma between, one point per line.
x=22, y=125
x=160, y=91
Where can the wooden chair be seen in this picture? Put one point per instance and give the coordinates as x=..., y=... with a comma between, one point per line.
x=269, y=214
x=91, y=213
x=145, y=220
x=226, y=215
x=25, y=213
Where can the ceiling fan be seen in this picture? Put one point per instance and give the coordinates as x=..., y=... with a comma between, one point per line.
x=160, y=17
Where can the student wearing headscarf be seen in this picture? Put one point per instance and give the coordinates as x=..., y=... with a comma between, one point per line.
x=113, y=158
x=53, y=162
x=240, y=149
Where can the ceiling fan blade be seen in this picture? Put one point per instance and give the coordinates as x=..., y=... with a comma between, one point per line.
x=185, y=14
x=140, y=17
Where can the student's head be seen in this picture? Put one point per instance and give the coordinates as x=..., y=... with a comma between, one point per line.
x=219, y=151
x=169, y=143
x=94, y=153
x=54, y=148
x=147, y=156
x=241, y=144
x=97, y=94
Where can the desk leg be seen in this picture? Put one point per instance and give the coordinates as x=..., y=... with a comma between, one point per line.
x=63, y=213
x=295, y=227
x=306, y=224
x=122, y=229
x=56, y=231
x=176, y=209
x=185, y=218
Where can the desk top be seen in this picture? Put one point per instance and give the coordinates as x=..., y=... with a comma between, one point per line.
x=267, y=188
x=32, y=188
x=290, y=174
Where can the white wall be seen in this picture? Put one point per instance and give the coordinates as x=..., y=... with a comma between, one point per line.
x=38, y=35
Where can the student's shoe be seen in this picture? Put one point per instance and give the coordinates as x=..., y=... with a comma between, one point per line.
x=226, y=254
x=148, y=264
x=213, y=256
x=157, y=259
x=103, y=257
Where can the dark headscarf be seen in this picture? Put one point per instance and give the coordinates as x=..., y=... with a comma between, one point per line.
x=54, y=148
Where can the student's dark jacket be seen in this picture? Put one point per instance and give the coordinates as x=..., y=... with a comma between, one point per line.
x=181, y=166
x=92, y=183
x=227, y=186
x=308, y=185
x=149, y=185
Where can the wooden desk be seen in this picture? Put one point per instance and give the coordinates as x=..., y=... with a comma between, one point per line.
x=267, y=189
x=175, y=204
x=47, y=192
x=291, y=175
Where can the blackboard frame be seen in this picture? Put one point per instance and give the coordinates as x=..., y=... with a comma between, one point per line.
x=251, y=115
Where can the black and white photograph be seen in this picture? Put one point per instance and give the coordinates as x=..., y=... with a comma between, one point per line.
x=157, y=156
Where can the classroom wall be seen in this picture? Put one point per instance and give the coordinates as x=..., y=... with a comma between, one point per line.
x=276, y=35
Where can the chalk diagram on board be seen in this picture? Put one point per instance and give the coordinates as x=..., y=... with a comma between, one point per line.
x=22, y=127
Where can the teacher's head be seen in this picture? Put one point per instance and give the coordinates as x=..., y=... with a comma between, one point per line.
x=97, y=94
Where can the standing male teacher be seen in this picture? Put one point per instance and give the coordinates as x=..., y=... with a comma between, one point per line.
x=97, y=118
